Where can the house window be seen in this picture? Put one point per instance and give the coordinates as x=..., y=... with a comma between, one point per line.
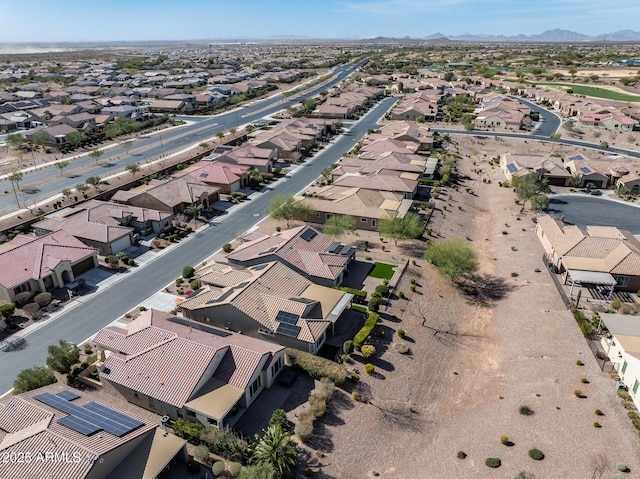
x=213, y=422
x=624, y=367
x=318, y=214
x=364, y=220
x=635, y=387
x=622, y=280
x=22, y=288
x=276, y=367
x=255, y=386
x=329, y=215
x=374, y=223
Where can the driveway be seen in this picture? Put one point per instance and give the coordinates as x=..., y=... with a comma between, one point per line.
x=583, y=210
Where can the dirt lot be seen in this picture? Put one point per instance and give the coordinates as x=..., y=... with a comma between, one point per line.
x=474, y=362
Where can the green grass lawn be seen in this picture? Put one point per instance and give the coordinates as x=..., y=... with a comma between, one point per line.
x=382, y=271
x=357, y=307
x=594, y=91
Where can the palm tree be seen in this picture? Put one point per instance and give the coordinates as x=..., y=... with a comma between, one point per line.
x=15, y=178
x=276, y=448
x=133, y=168
x=195, y=209
x=61, y=165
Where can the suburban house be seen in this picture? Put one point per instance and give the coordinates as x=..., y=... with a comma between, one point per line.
x=172, y=196
x=622, y=346
x=548, y=167
x=69, y=434
x=109, y=227
x=304, y=249
x=374, y=145
x=145, y=360
x=608, y=120
x=382, y=180
x=56, y=135
x=225, y=177
x=37, y=264
x=366, y=207
x=269, y=301
x=286, y=144
x=262, y=159
x=590, y=173
x=593, y=256
x=382, y=161
x=409, y=132
x=415, y=107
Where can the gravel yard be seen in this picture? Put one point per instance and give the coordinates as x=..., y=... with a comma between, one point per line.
x=475, y=361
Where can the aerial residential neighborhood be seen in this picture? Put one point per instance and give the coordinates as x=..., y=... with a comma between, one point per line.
x=348, y=253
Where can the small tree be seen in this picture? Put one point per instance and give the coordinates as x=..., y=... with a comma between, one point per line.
x=220, y=135
x=82, y=187
x=539, y=202
x=62, y=357
x=133, y=168
x=396, y=228
x=40, y=139
x=288, y=209
x=15, y=178
x=96, y=154
x=66, y=192
x=15, y=140
x=233, y=130
x=94, y=181
x=337, y=225
x=33, y=378
x=61, y=165
x=127, y=145
x=453, y=259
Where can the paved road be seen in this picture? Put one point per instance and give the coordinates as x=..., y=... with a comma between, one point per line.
x=98, y=310
x=50, y=182
x=590, y=210
x=549, y=121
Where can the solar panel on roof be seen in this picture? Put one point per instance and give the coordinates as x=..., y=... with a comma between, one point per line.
x=584, y=169
x=334, y=247
x=512, y=168
x=287, y=318
x=79, y=425
x=576, y=158
x=91, y=417
x=288, y=330
x=68, y=395
x=345, y=249
x=308, y=234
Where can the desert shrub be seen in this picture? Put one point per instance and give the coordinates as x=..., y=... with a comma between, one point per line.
x=526, y=411
x=279, y=418
x=400, y=295
x=315, y=366
x=318, y=405
x=32, y=309
x=579, y=363
x=583, y=323
x=622, y=467
x=131, y=262
x=218, y=468
x=461, y=455
x=369, y=368
x=304, y=427
x=577, y=393
x=493, y=462
x=355, y=395
x=326, y=388
x=382, y=289
x=597, y=425
x=23, y=298
x=227, y=247
x=355, y=377
x=359, y=296
x=362, y=335
x=202, y=454
x=190, y=431
x=599, y=412
x=347, y=347
x=584, y=381
x=188, y=272
x=504, y=439
x=401, y=333
x=368, y=350
x=194, y=284
x=374, y=304
x=7, y=310
x=412, y=288
x=234, y=469
x=412, y=281
x=635, y=419
x=616, y=304
x=536, y=454
x=223, y=442
x=43, y=299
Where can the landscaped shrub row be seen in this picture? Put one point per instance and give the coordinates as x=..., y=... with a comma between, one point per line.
x=583, y=323
x=363, y=334
x=359, y=296
x=317, y=408
x=315, y=366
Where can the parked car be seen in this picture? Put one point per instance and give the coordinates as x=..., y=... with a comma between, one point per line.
x=596, y=192
x=620, y=385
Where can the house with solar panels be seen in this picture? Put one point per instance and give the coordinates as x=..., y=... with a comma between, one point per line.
x=62, y=433
x=549, y=168
x=304, y=249
x=592, y=174
x=185, y=369
x=269, y=301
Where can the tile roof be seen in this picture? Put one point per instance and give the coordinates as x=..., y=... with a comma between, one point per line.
x=217, y=172
x=310, y=257
x=30, y=426
x=393, y=182
x=156, y=346
x=36, y=257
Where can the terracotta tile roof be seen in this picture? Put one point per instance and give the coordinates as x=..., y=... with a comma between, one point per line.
x=30, y=426
x=311, y=258
x=157, y=347
x=37, y=258
x=217, y=172
x=376, y=181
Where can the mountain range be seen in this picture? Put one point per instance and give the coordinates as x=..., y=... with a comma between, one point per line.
x=556, y=35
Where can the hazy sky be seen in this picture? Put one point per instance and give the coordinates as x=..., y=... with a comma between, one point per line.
x=74, y=20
